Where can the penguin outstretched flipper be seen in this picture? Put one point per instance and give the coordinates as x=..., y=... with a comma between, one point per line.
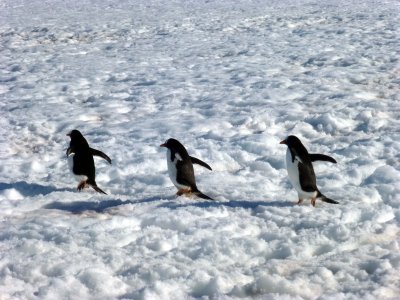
x=200, y=162
x=96, y=152
x=321, y=157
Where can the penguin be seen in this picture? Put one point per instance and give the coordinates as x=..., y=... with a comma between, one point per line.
x=180, y=168
x=80, y=161
x=301, y=172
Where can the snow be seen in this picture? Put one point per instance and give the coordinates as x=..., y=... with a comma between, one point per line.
x=229, y=80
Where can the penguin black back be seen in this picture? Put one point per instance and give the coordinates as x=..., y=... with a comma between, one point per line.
x=301, y=171
x=184, y=166
x=180, y=168
x=82, y=160
x=307, y=178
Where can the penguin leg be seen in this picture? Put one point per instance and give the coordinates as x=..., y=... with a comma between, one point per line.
x=313, y=201
x=82, y=185
x=180, y=192
x=300, y=201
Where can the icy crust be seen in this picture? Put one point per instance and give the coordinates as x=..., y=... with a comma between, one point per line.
x=230, y=81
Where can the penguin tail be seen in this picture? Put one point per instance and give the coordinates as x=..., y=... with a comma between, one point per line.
x=96, y=188
x=201, y=195
x=326, y=199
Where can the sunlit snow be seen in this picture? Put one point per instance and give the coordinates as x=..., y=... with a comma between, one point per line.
x=230, y=80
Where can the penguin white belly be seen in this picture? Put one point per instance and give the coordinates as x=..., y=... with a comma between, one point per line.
x=172, y=171
x=71, y=168
x=294, y=176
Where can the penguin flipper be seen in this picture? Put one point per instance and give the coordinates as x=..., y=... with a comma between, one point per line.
x=199, y=162
x=322, y=157
x=100, y=154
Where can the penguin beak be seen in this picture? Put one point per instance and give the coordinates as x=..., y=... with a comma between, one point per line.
x=68, y=134
x=163, y=145
x=283, y=142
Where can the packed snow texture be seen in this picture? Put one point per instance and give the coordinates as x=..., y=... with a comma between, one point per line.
x=230, y=80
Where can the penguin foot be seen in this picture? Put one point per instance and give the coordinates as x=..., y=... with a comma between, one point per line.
x=313, y=201
x=181, y=192
x=300, y=201
x=83, y=184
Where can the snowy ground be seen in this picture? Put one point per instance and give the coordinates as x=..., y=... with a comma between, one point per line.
x=229, y=80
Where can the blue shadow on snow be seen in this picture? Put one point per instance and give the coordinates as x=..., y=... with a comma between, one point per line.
x=230, y=203
x=30, y=189
x=99, y=206
x=82, y=206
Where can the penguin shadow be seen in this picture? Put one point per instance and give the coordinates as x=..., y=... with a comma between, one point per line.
x=79, y=207
x=31, y=189
x=230, y=203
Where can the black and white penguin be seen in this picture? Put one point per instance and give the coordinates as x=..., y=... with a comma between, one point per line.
x=301, y=172
x=80, y=161
x=180, y=168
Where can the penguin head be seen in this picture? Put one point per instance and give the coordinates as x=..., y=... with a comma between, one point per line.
x=77, y=139
x=172, y=144
x=75, y=134
x=292, y=141
x=296, y=149
x=175, y=147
